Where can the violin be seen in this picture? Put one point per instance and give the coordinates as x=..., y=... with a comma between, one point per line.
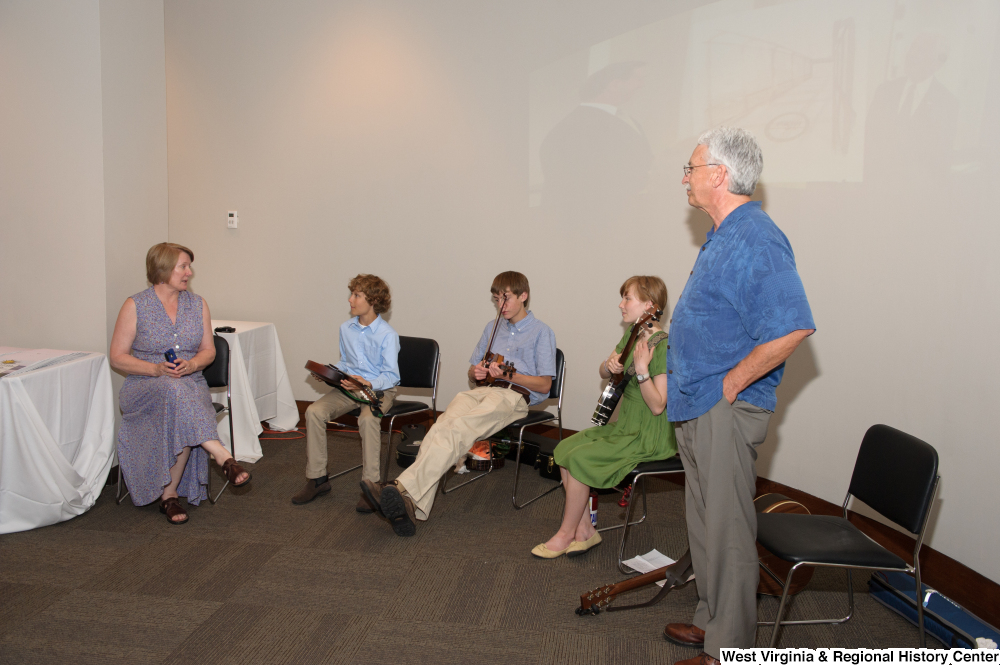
x=507, y=367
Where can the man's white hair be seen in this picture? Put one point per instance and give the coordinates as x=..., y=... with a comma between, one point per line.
x=738, y=151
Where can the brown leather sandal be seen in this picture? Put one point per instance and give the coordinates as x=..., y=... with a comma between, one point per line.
x=172, y=508
x=231, y=469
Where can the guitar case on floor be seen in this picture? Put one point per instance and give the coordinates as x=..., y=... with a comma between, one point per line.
x=945, y=619
x=409, y=444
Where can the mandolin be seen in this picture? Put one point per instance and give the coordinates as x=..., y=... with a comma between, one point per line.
x=506, y=367
x=680, y=573
x=616, y=384
x=332, y=376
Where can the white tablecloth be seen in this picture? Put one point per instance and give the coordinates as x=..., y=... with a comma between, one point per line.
x=260, y=385
x=57, y=428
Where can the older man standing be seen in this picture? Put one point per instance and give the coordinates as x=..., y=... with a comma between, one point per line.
x=742, y=313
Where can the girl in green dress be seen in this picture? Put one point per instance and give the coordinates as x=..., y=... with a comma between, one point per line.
x=603, y=456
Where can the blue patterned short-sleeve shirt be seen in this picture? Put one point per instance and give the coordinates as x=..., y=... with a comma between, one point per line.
x=744, y=292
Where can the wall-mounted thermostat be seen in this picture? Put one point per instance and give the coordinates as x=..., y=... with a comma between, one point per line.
x=233, y=219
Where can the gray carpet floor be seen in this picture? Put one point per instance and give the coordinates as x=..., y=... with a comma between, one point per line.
x=256, y=579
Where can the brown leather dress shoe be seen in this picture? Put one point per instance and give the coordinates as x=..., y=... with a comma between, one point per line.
x=701, y=659
x=310, y=492
x=363, y=505
x=372, y=492
x=685, y=635
x=399, y=509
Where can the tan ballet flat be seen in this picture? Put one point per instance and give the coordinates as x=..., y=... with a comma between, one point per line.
x=576, y=549
x=543, y=552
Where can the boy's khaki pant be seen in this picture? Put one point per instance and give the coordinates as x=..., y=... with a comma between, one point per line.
x=471, y=416
x=332, y=405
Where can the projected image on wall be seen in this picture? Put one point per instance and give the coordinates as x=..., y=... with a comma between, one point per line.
x=835, y=92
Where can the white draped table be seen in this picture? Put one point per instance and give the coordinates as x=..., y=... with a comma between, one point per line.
x=260, y=386
x=57, y=428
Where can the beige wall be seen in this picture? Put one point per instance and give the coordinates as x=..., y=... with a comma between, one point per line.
x=51, y=176
x=82, y=162
x=83, y=165
x=133, y=94
x=394, y=139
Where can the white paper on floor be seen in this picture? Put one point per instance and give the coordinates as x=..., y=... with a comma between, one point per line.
x=648, y=562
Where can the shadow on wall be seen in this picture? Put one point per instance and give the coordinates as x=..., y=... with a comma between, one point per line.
x=910, y=131
x=596, y=160
x=800, y=370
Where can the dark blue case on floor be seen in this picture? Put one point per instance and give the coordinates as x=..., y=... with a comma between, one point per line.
x=945, y=619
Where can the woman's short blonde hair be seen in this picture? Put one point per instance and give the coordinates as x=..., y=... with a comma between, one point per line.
x=161, y=260
x=647, y=287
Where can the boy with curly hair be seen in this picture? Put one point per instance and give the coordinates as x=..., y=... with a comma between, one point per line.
x=369, y=354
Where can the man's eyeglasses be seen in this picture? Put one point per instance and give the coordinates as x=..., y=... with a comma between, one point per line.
x=688, y=169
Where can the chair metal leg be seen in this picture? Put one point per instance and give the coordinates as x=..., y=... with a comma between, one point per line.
x=338, y=475
x=628, y=509
x=920, y=603
x=625, y=525
x=119, y=497
x=781, y=605
x=807, y=622
x=216, y=497
x=232, y=449
x=384, y=471
x=517, y=474
x=349, y=469
x=850, y=599
x=448, y=490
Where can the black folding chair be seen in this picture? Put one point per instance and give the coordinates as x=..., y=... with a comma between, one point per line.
x=419, y=360
x=217, y=376
x=534, y=417
x=637, y=477
x=895, y=474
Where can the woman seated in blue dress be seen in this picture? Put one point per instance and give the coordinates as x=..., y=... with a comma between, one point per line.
x=168, y=425
x=601, y=457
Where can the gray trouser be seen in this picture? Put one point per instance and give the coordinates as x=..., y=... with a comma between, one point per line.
x=719, y=454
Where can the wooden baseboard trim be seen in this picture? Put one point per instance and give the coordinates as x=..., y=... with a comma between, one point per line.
x=977, y=593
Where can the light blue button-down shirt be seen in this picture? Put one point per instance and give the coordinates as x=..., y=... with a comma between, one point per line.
x=370, y=351
x=529, y=343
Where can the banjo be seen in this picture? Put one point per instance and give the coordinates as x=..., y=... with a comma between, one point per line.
x=616, y=385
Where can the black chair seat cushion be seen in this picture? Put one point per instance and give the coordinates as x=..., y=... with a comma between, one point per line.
x=533, y=418
x=671, y=464
x=402, y=407
x=821, y=539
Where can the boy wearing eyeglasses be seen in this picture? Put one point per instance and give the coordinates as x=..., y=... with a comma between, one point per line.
x=475, y=414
